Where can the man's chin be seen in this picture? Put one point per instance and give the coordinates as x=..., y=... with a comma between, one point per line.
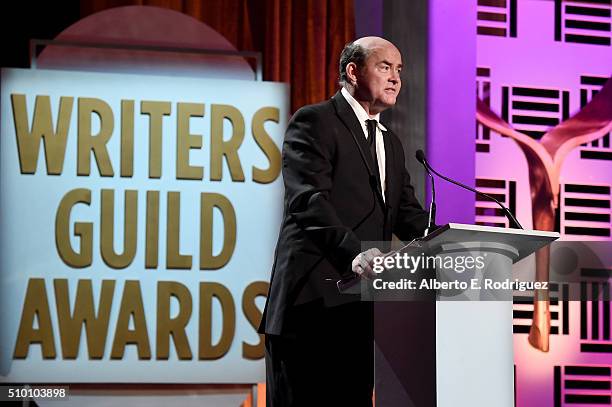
x=388, y=102
x=382, y=104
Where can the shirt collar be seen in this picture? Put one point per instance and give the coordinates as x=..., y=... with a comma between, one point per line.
x=360, y=112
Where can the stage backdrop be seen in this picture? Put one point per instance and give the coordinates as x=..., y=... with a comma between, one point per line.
x=539, y=64
x=137, y=219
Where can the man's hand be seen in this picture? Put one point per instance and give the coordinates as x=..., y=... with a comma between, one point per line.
x=363, y=264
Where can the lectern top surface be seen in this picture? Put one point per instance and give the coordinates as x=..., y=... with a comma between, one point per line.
x=492, y=229
x=524, y=241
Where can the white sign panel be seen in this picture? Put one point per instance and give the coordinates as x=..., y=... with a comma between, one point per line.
x=138, y=221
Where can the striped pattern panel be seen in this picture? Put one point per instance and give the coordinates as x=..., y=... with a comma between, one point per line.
x=595, y=331
x=488, y=213
x=496, y=18
x=534, y=111
x=583, y=385
x=585, y=211
x=522, y=310
x=483, y=92
x=599, y=149
x=583, y=21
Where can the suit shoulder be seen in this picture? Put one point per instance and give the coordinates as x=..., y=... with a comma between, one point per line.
x=314, y=112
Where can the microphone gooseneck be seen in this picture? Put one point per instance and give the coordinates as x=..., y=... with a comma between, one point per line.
x=420, y=156
x=431, y=222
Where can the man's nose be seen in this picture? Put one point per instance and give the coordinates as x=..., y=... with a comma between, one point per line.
x=394, y=78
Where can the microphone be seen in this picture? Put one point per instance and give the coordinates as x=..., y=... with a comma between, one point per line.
x=420, y=156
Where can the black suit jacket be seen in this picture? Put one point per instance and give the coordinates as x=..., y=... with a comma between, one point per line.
x=331, y=205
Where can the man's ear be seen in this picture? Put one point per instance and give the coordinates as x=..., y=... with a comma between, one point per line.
x=351, y=73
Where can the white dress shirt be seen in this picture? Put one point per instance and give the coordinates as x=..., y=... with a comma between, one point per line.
x=362, y=116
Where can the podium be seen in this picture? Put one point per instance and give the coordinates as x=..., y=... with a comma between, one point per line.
x=458, y=349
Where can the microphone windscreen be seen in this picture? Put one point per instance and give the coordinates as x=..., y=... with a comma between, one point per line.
x=420, y=156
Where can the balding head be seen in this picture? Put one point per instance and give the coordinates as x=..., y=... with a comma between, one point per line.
x=357, y=52
x=370, y=43
x=369, y=70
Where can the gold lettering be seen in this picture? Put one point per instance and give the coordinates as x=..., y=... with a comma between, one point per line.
x=253, y=314
x=96, y=328
x=131, y=307
x=156, y=111
x=209, y=201
x=87, y=142
x=267, y=145
x=28, y=142
x=36, y=305
x=152, y=230
x=174, y=259
x=186, y=141
x=167, y=326
x=220, y=148
x=83, y=230
x=208, y=291
x=107, y=220
x=127, y=138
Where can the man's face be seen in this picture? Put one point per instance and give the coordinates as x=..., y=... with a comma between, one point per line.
x=378, y=81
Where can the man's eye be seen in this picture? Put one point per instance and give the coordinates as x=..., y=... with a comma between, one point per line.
x=385, y=68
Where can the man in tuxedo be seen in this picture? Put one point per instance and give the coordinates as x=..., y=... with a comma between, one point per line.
x=345, y=182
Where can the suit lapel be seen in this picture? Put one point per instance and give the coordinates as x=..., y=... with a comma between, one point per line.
x=389, y=165
x=347, y=116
